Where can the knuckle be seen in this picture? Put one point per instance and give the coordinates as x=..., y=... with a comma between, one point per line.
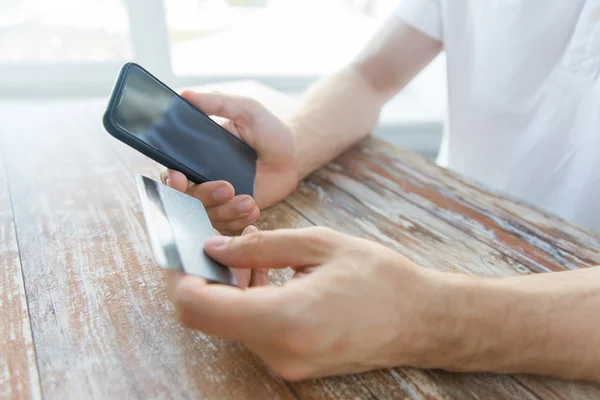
x=215, y=214
x=237, y=226
x=200, y=192
x=253, y=104
x=252, y=244
x=250, y=107
x=221, y=105
x=254, y=215
x=319, y=236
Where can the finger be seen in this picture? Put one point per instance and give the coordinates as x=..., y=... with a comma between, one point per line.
x=229, y=311
x=164, y=174
x=230, y=126
x=238, y=207
x=259, y=276
x=212, y=193
x=174, y=179
x=238, y=225
x=172, y=278
x=243, y=277
x=275, y=249
x=222, y=105
x=249, y=229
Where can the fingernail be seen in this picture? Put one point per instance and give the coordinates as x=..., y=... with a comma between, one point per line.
x=217, y=242
x=245, y=206
x=254, y=216
x=249, y=229
x=167, y=181
x=221, y=193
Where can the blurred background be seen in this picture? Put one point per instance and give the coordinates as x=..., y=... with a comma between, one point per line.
x=58, y=48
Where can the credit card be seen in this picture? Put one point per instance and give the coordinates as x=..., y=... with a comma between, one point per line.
x=178, y=226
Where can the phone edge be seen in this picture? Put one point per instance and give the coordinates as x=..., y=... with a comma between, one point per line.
x=118, y=133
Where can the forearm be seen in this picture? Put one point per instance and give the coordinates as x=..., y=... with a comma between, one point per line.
x=546, y=324
x=344, y=108
x=336, y=113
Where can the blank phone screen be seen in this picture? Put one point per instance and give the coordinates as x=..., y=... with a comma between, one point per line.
x=154, y=114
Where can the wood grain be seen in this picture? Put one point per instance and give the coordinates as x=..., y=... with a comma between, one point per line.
x=18, y=371
x=102, y=325
x=332, y=199
x=531, y=236
x=332, y=388
x=387, y=208
x=416, y=234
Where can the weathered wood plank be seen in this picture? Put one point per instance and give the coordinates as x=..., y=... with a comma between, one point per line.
x=576, y=240
x=526, y=242
x=332, y=199
x=111, y=291
x=102, y=324
x=336, y=200
x=550, y=389
x=18, y=370
x=529, y=235
x=411, y=383
x=284, y=216
x=420, y=236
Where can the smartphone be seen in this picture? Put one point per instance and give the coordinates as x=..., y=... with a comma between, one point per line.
x=147, y=115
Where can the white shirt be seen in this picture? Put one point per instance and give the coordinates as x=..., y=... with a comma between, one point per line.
x=523, y=97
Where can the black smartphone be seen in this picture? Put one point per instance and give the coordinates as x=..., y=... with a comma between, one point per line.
x=147, y=115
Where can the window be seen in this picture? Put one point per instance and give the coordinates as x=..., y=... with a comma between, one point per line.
x=63, y=31
x=62, y=45
x=77, y=46
x=268, y=37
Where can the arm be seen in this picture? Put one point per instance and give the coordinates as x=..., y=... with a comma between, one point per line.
x=337, y=112
x=343, y=108
x=543, y=324
x=355, y=305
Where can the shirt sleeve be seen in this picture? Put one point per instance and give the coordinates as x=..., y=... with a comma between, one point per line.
x=425, y=15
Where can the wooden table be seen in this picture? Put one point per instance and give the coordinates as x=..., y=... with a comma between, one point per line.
x=84, y=310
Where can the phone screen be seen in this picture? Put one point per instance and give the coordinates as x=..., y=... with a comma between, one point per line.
x=155, y=115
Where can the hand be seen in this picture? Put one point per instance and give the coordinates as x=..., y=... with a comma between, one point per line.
x=276, y=173
x=353, y=305
x=250, y=277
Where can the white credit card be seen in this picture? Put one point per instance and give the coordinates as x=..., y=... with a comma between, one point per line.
x=178, y=226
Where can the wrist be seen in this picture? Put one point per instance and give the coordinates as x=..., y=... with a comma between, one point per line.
x=439, y=333
x=478, y=324
x=303, y=153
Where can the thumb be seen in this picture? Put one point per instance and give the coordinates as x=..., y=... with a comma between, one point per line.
x=296, y=248
x=175, y=179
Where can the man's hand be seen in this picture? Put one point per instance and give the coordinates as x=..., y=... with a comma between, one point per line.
x=276, y=174
x=250, y=277
x=353, y=305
